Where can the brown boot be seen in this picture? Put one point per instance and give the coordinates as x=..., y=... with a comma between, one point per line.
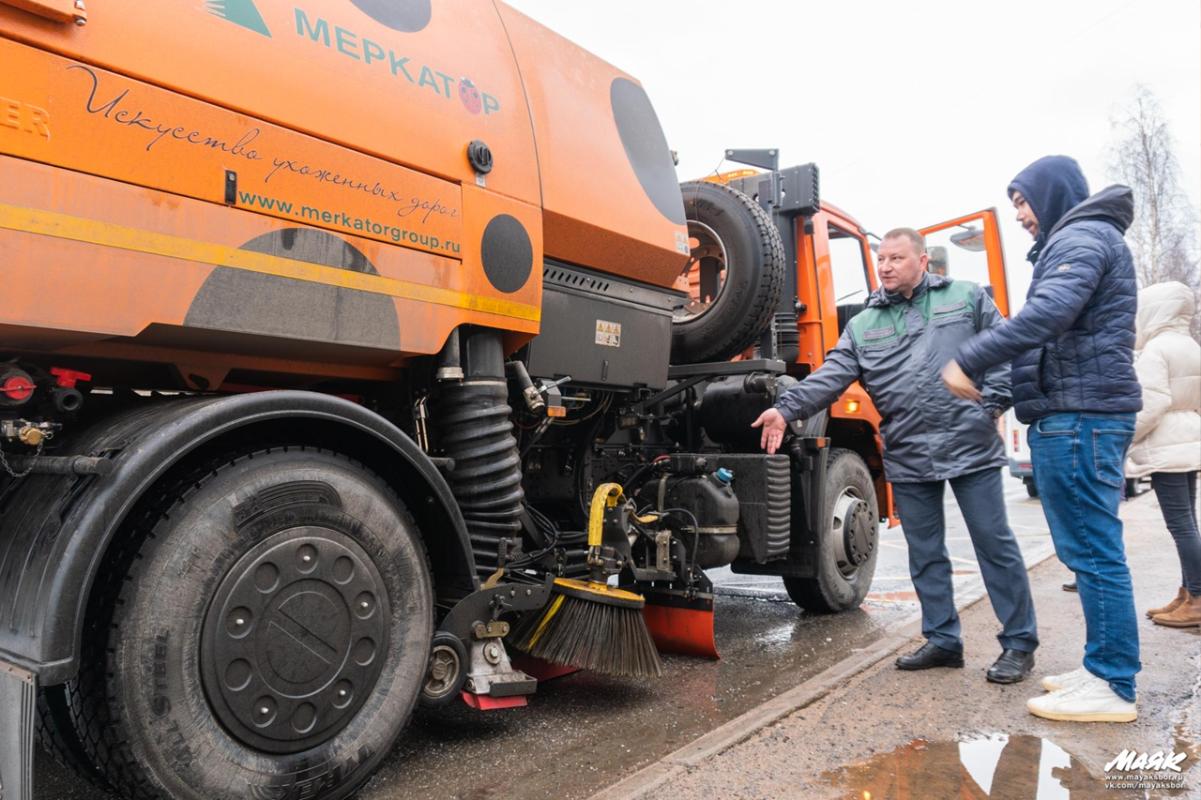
x=1185, y=615
x=1181, y=596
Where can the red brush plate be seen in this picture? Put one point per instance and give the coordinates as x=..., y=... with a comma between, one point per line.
x=683, y=631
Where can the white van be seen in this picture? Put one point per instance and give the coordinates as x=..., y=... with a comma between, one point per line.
x=1018, y=452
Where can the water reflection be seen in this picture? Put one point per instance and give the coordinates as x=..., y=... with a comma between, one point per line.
x=996, y=767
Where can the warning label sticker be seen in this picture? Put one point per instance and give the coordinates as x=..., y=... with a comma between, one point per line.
x=608, y=333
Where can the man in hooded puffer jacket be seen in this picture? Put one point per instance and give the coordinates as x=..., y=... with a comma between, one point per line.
x=1072, y=348
x=1167, y=434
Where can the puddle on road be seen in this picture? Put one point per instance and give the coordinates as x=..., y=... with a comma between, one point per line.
x=996, y=767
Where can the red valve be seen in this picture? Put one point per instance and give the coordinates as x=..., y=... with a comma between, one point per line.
x=67, y=378
x=17, y=388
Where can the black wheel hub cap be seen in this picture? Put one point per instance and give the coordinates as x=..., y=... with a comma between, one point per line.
x=294, y=639
x=861, y=534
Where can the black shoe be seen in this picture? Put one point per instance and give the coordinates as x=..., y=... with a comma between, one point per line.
x=1069, y=587
x=930, y=655
x=1011, y=667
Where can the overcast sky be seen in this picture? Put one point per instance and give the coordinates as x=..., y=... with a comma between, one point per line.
x=914, y=112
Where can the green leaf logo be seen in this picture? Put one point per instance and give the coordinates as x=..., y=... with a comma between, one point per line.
x=239, y=12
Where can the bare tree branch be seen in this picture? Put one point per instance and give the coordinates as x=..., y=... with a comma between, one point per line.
x=1163, y=237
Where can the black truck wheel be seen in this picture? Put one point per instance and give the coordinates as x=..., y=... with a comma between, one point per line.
x=847, y=550
x=735, y=274
x=265, y=634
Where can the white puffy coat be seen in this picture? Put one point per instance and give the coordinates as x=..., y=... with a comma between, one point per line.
x=1167, y=435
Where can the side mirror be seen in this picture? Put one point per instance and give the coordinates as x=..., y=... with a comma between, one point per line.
x=971, y=238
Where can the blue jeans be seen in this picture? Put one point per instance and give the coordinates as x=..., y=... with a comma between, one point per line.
x=1079, y=462
x=981, y=498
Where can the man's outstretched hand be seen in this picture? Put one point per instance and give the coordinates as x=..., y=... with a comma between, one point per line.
x=773, y=425
x=958, y=383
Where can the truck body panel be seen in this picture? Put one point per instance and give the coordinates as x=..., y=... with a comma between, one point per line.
x=609, y=190
x=329, y=69
x=122, y=272
x=374, y=83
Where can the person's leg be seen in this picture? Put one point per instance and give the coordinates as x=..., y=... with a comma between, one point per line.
x=981, y=498
x=1177, y=504
x=1078, y=461
x=1179, y=512
x=920, y=507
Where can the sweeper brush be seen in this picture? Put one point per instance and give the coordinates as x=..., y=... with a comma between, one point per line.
x=593, y=626
x=590, y=624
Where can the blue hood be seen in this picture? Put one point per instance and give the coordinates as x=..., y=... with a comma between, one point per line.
x=1052, y=186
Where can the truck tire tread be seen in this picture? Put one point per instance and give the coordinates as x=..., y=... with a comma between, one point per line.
x=59, y=737
x=830, y=592
x=104, y=739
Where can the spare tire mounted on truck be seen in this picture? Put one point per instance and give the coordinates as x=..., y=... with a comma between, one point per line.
x=734, y=274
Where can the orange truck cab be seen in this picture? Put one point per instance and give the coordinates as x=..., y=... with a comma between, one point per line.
x=359, y=354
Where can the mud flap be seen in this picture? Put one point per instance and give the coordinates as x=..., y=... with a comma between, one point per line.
x=483, y=702
x=18, y=695
x=680, y=624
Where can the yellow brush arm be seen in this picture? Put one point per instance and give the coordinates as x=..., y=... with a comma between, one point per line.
x=606, y=495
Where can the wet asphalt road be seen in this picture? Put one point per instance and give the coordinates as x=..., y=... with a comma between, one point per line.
x=891, y=735
x=583, y=732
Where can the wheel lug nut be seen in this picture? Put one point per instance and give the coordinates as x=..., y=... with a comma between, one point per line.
x=239, y=622
x=364, y=604
x=306, y=558
x=341, y=693
x=264, y=710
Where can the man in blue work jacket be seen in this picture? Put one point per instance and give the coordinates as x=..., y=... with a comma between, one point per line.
x=896, y=348
x=1072, y=348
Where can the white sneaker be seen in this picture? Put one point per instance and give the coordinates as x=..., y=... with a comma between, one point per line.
x=1053, y=683
x=1088, y=700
